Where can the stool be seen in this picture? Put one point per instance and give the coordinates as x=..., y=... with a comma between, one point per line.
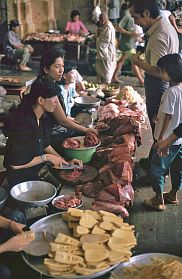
x=10, y=62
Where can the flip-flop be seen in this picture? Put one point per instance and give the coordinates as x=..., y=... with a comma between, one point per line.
x=149, y=203
x=168, y=200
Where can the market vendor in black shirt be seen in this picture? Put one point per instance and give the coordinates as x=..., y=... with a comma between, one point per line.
x=52, y=68
x=28, y=146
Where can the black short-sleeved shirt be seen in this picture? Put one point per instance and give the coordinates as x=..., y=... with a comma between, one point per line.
x=25, y=141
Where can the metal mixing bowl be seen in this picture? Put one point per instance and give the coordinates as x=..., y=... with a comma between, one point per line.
x=36, y=193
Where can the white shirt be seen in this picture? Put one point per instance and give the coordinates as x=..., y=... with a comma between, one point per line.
x=171, y=103
x=165, y=14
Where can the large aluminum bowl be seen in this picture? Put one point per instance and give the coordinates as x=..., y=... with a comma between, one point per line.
x=35, y=193
x=87, y=101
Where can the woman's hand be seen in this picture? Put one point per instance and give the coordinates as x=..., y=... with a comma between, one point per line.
x=76, y=162
x=92, y=130
x=16, y=227
x=56, y=161
x=16, y=243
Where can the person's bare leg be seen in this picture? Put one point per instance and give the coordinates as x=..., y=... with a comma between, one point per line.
x=119, y=66
x=137, y=73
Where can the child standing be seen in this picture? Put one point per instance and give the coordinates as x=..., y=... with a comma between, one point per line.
x=168, y=118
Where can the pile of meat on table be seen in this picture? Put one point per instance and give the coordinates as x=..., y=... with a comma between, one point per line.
x=46, y=37
x=112, y=190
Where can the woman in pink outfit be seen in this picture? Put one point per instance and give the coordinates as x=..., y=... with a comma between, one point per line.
x=75, y=25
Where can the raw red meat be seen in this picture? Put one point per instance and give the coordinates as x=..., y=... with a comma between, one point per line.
x=119, y=121
x=123, y=157
x=66, y=202
x=73, y=175
x=119, y=149
x=123, y=194
x=101, y=126
x=105, y=196
x=104, y=168
x=123, y=170
x=106, y=140
x=89, y=189
x=108, y=112
x=71, y=143
x=103, y=153
x=91, y=139
x=130, y=191
x=123, y=129
x=130, y=140
x=110, y=207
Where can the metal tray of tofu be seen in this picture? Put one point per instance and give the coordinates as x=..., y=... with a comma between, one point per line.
x=52, y=225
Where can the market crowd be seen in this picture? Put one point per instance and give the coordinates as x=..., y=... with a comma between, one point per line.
x=43, y=119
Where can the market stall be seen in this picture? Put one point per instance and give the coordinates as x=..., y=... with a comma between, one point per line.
x=16, y=85
x=117, y=125
x=73, y=44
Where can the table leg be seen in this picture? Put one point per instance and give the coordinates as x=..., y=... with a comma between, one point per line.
x=78, y=52
x=1, y=56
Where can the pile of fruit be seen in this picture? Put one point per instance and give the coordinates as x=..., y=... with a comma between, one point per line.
x=92, y=85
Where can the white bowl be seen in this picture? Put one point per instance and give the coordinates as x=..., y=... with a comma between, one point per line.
x=65, y=197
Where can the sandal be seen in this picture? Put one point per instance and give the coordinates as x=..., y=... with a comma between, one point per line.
x=151, y=203
x=167, y=199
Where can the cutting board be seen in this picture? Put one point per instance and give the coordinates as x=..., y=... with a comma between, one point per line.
x=88, y=173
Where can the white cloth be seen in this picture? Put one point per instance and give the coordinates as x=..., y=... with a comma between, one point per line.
x=96, y=13
x=171, y=103
x=165, y=14
x=139, y=30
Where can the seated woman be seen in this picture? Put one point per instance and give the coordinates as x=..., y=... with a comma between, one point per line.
x=75, y=25
x=15, y=243
x=13, y=46
x=52, y=67
x=28, y=145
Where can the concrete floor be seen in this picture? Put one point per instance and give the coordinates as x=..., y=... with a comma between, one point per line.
x=155, y=231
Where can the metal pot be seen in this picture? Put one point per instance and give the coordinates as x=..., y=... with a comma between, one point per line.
x=87, y=101
x=34, y=193
x=3, y=197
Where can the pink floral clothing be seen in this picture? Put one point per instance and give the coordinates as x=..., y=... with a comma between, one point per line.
x=75, y=27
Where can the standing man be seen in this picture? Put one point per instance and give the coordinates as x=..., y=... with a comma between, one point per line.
x=114, y=10
x=106, y=51
x=162, y=40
